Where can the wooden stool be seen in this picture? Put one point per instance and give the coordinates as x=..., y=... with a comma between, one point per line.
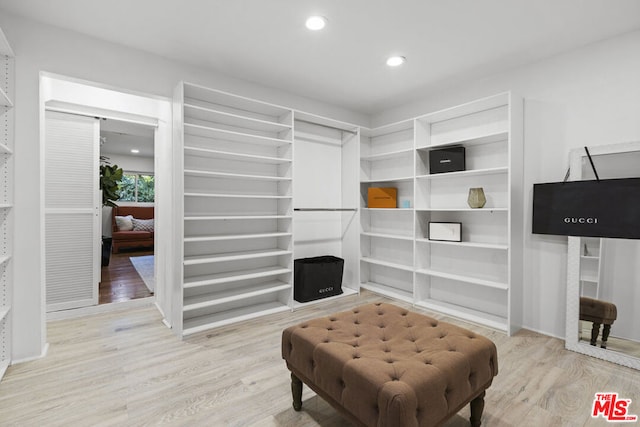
x=599, y=312
x=382, y=365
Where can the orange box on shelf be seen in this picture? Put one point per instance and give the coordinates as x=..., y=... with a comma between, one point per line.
x=382, y=197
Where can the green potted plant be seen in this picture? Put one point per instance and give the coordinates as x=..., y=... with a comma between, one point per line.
x=110, y=177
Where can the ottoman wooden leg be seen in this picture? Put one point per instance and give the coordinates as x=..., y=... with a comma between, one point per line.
x=477, y=406
x=296, y=392
x=605, y=335
x=595, y=330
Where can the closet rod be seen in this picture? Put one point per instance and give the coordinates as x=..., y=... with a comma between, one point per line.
x=326, y=209
x=326, y=126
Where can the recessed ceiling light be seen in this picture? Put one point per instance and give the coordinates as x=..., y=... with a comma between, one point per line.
x=135, y=150
x=316, y=23
x=394, y=61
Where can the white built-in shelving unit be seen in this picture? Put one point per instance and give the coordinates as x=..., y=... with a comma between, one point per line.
x=262, y=185
x=242, y=198
x=387, y=159
x=7, y=79
x=477, y=279
x=237, y=239
x=591, y=254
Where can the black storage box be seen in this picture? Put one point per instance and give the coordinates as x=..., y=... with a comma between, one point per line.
x=317, y=277
x=446, y=160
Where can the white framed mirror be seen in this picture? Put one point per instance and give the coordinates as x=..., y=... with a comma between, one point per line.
x=605, y=270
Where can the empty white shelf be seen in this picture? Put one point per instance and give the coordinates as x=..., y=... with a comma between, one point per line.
x=397, y=127
x=482, y=318
x=227, y=296
x=387, y=264
x=387, y=155
x=202, y=323
x=4, y=259
x=234, y=276
x=235, y=237
x=6, y=205
x=316, y=120
x=213, y=174
x=485, y=209
x=236, y=196
x=5, y=149
x=5, y=101
x=387, y=236
x=227, y=135
x=220, y=154
x=388, y=291
x=234, y=217
x=5, y=50
x=241, y=104
x=463, y=278
x=476, y=140
x=231, y=119
x=4, y=312
x=235, y=256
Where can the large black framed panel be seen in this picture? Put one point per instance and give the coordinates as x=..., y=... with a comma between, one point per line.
x=604, y=208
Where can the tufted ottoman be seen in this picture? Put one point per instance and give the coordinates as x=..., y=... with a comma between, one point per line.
x=382, y=365
x=598, y=312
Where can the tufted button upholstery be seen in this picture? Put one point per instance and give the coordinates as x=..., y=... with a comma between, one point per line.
x=594, y=310
x=404, y=361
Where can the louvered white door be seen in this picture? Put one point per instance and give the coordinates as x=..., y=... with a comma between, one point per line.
x=72, y=209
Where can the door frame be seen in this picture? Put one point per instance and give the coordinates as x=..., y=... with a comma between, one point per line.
x=71, y=95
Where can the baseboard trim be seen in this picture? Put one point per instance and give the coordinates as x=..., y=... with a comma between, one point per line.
x=165, y=321
x=545, y=333
x=43, y=353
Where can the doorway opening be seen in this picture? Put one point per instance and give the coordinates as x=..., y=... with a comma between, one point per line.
x=122, y=115
x=128, y=261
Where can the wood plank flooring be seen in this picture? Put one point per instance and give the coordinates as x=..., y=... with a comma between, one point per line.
x=127, y=369
x=120, y=280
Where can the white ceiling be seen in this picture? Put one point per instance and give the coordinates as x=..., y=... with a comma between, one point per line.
x=446, y=42
x=119, y=137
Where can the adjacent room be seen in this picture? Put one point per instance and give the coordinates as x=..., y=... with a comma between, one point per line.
x=127, y=260
x=372, y=213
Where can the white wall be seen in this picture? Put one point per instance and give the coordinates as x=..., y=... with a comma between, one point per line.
x=589, y=96
x=45, y=48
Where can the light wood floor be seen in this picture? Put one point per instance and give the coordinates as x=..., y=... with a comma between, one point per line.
x=127, y=369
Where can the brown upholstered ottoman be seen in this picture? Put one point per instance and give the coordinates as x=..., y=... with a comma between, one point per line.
x=599, y=312
x=382, y=365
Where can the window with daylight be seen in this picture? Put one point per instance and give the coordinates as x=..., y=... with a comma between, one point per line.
x=137, y=187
